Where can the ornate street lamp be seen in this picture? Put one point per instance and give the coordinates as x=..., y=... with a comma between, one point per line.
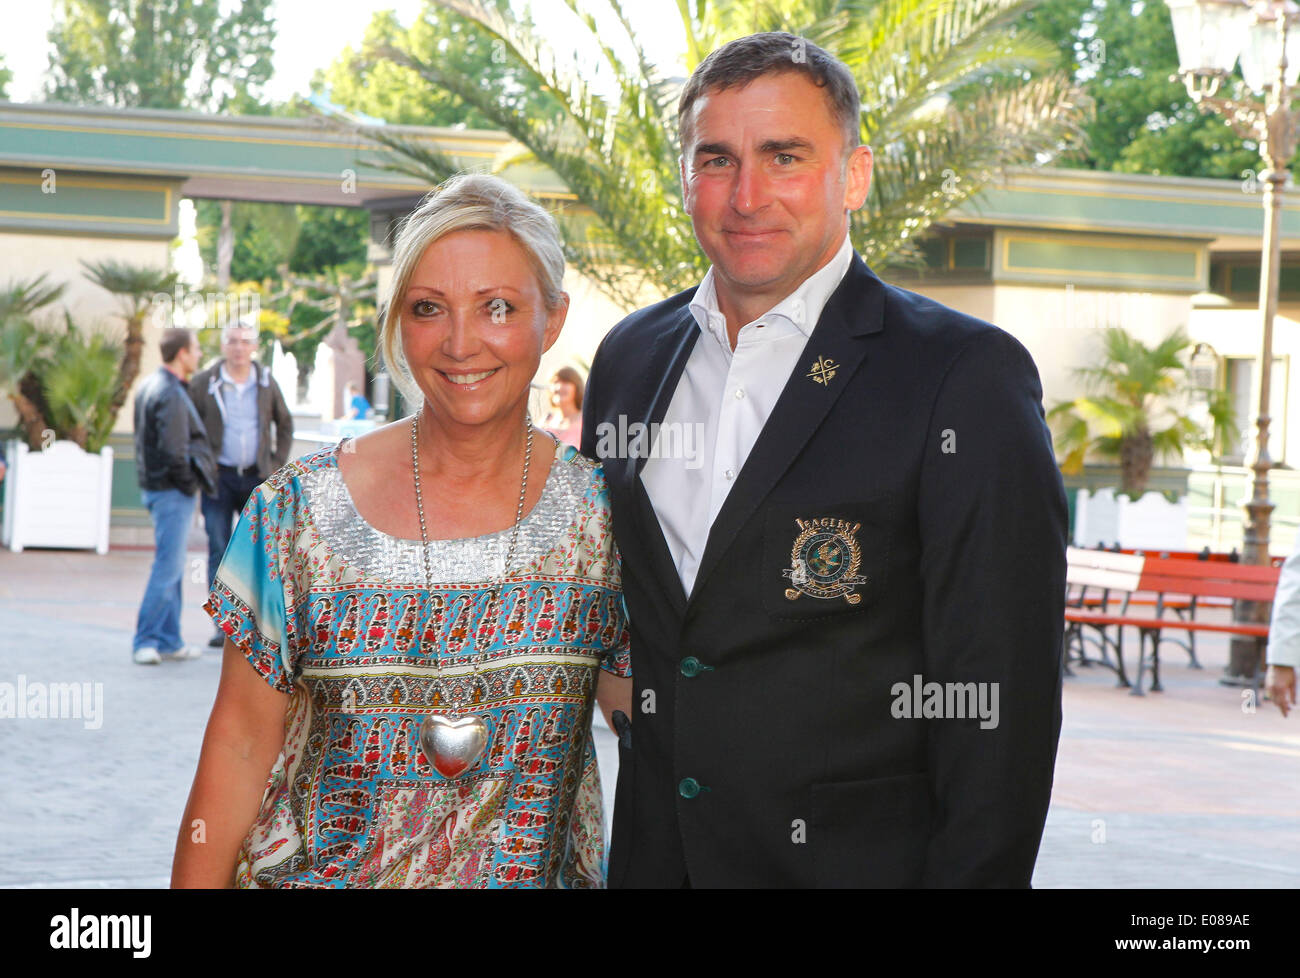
x=1211, y=35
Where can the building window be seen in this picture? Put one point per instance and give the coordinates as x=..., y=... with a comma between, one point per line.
x=1238, y=279
x=970, y=254
x=962, y=256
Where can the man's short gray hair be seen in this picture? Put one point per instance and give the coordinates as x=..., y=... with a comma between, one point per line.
x=741, y=61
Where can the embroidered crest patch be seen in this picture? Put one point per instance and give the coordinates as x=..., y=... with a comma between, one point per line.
x=825, y=559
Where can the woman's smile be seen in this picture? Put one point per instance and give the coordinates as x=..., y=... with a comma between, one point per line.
x=468, y=380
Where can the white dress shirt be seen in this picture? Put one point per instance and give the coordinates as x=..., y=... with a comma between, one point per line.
x=1284, y=632
x=239, y=420
x=724, y=398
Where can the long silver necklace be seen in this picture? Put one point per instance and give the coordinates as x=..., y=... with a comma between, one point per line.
x=454, y=743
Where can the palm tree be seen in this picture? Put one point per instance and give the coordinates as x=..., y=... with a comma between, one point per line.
x=23, y=348
x=79, y=381
x=952, y=92
x=137, y=285
x=61, y=381
x=56, y=379
x=1133, y=414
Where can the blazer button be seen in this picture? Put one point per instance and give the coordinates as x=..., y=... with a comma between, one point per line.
x=688, y=788
x=691, y=667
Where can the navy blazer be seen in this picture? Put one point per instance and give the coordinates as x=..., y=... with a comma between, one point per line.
x=899, y=522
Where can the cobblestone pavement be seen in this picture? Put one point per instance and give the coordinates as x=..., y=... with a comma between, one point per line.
x=1181, y=789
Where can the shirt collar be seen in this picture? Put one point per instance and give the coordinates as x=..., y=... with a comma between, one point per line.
x=802, y=307
x=225, y=376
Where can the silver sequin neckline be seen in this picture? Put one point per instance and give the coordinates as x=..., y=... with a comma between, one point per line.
x=471, y=560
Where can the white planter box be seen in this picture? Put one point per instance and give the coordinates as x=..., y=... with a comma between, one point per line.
x=59, y=497
x=1151, y=523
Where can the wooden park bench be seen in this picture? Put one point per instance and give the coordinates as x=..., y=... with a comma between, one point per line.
x=1099, y=579
x=1183, y=608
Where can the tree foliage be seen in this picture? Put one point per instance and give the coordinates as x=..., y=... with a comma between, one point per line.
x=308, y=308
x=304, y=261
x=161, y=54
x=265, y=235
x=80, y=382
x=308, y=239
x=1124, y=56
x=6, y=76
x=953, y=90
x=60, y=377
x=395, y=93
x=330, y=238
x=22, y=350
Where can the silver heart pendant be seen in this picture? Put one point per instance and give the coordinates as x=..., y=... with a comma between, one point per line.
x=453, y=745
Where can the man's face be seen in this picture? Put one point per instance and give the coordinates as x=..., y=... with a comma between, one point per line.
x=237, y=347
x=766, y=184
x=188, y=359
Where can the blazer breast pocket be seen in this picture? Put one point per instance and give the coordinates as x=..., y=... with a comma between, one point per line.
x=823, y=561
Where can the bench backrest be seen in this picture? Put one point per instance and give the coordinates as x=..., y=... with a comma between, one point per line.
x=1232, y=558
x=1103, y=569
x=1167, y=575
x=1206, y=579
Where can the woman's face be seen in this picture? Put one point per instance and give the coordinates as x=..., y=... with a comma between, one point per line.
x=474, y=326
x=563, y=394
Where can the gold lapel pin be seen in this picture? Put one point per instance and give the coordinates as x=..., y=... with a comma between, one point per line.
x=823, y=371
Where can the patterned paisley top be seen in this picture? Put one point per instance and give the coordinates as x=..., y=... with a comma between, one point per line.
x=336, y=614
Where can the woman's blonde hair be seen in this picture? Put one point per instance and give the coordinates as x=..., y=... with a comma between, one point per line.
x=469, y=202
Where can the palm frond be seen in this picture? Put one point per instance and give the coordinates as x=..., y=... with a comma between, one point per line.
x=1134, y=416
x=127, y=279
x=23, y=347
x=953, y=91
x=20, y=298
x=944, y=162
x=79, y=382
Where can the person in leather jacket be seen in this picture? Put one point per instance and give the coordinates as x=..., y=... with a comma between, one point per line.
x=173, y=462
x=171, y=442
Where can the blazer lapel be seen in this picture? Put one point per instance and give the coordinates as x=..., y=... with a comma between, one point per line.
x=673, y=349
x=832, y=355
x=666, y=361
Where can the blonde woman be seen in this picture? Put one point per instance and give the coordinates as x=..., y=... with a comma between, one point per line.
x=419, y=620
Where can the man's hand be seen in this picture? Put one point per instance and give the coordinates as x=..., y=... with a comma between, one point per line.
x=1280, y=684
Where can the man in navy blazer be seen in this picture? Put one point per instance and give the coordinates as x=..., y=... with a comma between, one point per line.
x=842, y=528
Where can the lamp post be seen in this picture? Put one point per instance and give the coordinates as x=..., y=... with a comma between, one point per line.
x=1211, y=35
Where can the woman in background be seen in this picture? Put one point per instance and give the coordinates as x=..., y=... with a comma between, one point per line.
x=565, y=419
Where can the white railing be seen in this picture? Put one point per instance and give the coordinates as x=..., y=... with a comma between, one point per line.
x=1216, y=511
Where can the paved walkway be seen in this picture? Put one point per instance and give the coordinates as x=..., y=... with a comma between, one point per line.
x=1183, y=789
